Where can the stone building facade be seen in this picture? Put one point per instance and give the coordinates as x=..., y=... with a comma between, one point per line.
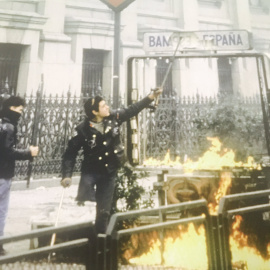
x=69, y=43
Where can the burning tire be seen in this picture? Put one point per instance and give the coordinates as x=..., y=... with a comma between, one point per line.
x=180, y=190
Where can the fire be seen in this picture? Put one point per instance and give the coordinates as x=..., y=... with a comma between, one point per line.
x=215, y=158
x=176, y=253
x=224, y=185
x=242, y=250
x=178, y=250
x=167, y=161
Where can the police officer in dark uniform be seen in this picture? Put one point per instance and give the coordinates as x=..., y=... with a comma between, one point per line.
x=99, y=136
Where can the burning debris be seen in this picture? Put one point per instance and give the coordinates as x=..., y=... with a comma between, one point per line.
x=215, y=158
x=249, y=233
x=240, y=266
x=166, y=162
x=178, y=250
x=224, y=184
x=253, y=248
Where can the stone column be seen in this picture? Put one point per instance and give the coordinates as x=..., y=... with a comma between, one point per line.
x=241, y=20
x=54, y=50
x=55, y=11
x=241, y=14
x=187, y=12
x=130, y=45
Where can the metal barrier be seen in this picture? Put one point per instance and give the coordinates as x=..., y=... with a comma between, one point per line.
x=103, y=254
x=107, y=246
x=30, y=254
x=229, y=206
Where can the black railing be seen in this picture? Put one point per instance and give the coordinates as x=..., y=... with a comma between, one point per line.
x=255, y=208
x=178, y=125
x=48, y=122
x=38, y=254
x=108, y=245
x=181, y=125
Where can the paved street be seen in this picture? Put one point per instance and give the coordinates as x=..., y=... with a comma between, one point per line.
x=40, y=204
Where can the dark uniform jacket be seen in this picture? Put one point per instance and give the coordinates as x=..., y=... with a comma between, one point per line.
x=8, y=151
x=102, y=153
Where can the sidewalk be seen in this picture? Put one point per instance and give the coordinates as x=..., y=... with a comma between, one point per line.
x=39, y=204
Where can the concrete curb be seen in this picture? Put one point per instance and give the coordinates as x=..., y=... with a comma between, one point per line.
x=55, y=182
x=46, y=182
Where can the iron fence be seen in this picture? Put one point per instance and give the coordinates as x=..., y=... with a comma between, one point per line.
x=166, y=218
x=252, y=206
x=105, y=254
x=41, y=266
x=178, y=124
x=181, y=125
x=51, y=256
x=254, y=209
x=54, y=124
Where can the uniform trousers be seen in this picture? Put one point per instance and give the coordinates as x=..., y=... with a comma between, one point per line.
x=102, y=185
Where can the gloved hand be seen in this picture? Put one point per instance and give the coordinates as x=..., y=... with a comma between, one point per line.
x=155, y=93
x=66, y=182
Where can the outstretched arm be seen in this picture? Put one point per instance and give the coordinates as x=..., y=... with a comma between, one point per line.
x=134, y=109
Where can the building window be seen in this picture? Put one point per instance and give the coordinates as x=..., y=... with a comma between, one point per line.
x=216, y=3
x=10, y=55
x=255, y=3
x=225, y=77
x=92, y=72
x=259, y=6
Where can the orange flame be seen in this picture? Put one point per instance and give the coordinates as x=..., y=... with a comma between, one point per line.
x=178, y=251
x=167, y=161
x=241, y=251
x=224, y=185
x=213, y=159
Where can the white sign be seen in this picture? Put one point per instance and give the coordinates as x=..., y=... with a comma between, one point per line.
x=201, y=40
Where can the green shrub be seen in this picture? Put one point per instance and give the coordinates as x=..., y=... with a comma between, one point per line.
x=239, y=126
x=129, y=195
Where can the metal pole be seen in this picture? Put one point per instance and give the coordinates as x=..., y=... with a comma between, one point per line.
x=36, y=121
x=162, y=216
x=56, y=221
x=264, y=99
x=169, y=68
x=67, y=120
x=116, y=58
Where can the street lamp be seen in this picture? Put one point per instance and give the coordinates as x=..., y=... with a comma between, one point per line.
x=117, y=6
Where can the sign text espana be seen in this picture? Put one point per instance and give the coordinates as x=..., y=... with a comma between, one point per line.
x=201, y=40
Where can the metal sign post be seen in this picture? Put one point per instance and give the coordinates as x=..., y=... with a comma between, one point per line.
x=117, y=6
x=168, y=69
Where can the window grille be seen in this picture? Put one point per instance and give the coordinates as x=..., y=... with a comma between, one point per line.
x=225, y=77
x=10, y=55
x=92, y=72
